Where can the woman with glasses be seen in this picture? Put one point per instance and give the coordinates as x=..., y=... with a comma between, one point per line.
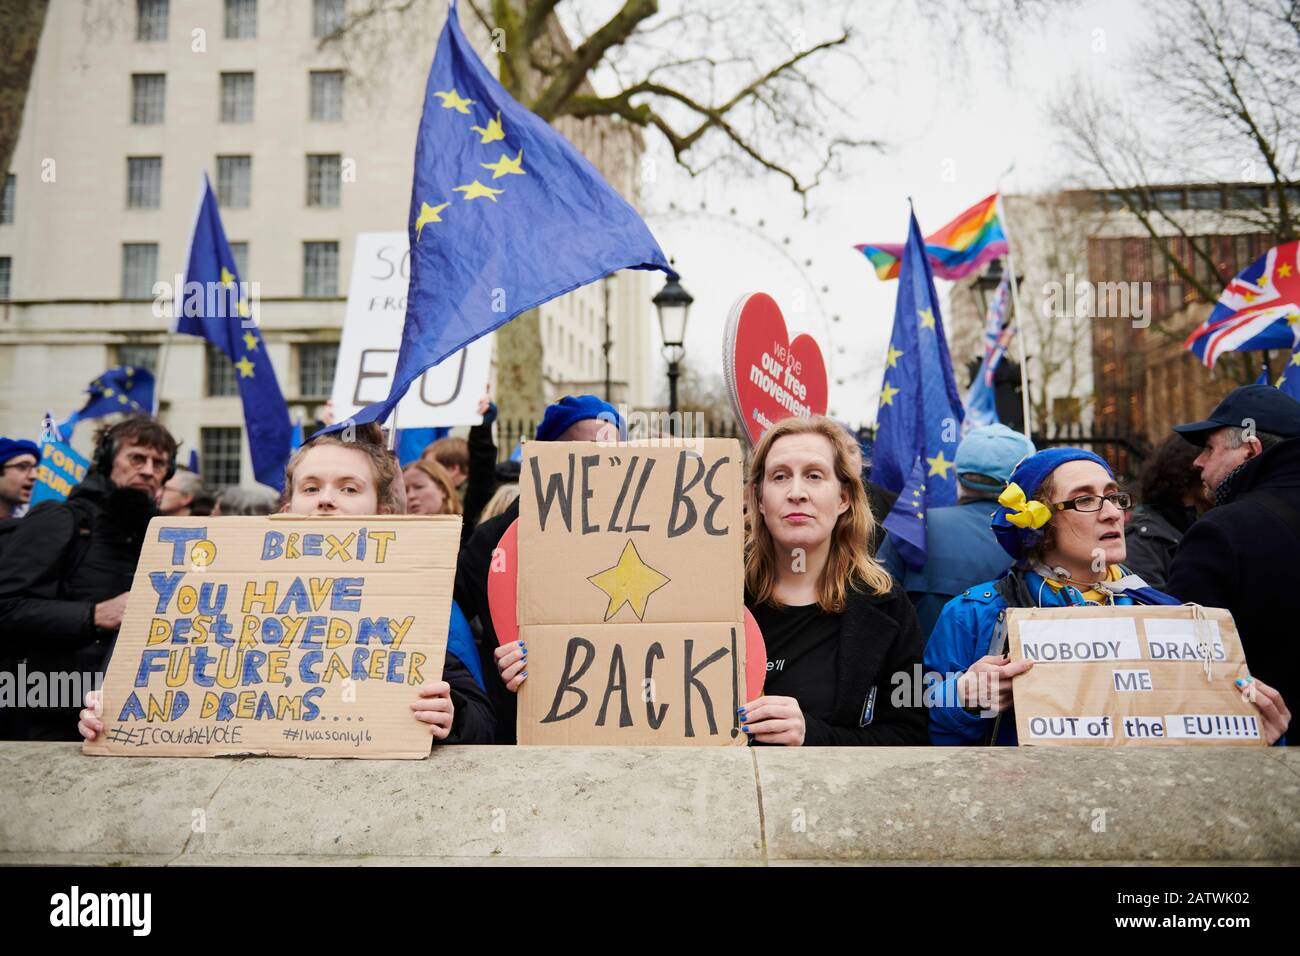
x=1061, y=518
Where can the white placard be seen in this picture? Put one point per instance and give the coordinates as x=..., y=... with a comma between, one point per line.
x=1085, y=639
x=1211, y=726
x=1175, y=640
x=1071, y=728
x=446, y=394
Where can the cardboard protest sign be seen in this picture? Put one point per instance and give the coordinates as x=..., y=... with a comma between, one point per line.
x=61, y=470
x=768, y=376
x=281, y=635
x=1116, y=676
x=631, y=593
x=445, y=395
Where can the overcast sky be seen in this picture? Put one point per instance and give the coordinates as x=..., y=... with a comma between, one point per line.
x=951, y=134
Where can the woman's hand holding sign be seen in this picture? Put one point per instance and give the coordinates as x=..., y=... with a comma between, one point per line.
x=1273, y=712
x=90, y=726
x=512, y=662
x=773, y=720
x=435, y=708
x=987, y=684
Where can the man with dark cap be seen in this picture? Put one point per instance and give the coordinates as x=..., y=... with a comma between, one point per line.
x=1241, y=555
x=66, y=571
x=19, y=459
x=961, y=550
x=572, y=418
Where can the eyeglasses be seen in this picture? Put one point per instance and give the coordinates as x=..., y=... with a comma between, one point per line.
x=22, y=466
x=1120, y=499
x=138, y=460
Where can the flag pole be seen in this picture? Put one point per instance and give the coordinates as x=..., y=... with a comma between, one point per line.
x=1020, y=327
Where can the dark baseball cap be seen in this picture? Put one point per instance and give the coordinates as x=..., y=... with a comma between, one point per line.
x=1266, y=408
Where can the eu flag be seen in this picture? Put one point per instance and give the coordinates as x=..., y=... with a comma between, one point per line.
x=505, y=215
x=123, y=389
x=919, y=421
x=215, y=305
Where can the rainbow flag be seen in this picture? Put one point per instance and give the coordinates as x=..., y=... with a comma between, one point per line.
x=956, y=250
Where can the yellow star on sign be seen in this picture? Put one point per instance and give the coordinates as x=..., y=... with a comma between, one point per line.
x=250, y=341
x=629, y=582
x=1295, y=358
x=427, y=215
x=891, y=360
x=927, y=318
x=1248, y=296
x=939, y=465
x=492, y=133
x=227, y=276
x=245, y=367
x=121, y=399
x=108, y=393
x=505, y=166
x=242, y=308
x=1294, y=318
x=887, y=394
x=451, y=100
x=1284, y=269
x=476, y=190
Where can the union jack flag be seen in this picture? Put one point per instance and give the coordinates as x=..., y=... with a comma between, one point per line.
x=1259, y=309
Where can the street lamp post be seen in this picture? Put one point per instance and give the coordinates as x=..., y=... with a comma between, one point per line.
x=673, y=303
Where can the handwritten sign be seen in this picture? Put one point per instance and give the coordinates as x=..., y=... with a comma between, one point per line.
x=61, y=470
x=630, y=593
x=1117, y=676
x=446, y=394
x=280, y=635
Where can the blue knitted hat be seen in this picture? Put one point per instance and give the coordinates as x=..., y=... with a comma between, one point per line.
x=573, y=409
x=13, y=447
x=1018, y=522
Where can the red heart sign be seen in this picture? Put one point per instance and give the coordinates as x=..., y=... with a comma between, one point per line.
x=770, y=377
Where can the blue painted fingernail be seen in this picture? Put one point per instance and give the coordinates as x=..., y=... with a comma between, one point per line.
x=740, y=710
x=745, y=727
x=524, y=654
x=524, y=674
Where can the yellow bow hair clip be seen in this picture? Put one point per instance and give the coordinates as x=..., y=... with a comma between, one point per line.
x=1022, y=513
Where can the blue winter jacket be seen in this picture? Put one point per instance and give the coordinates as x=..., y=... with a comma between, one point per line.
x=960, y=638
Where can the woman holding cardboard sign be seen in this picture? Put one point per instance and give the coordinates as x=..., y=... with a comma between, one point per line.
x=836, y=626
x=332, y=476
x=1062, y=519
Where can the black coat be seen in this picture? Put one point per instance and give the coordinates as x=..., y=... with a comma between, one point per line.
x=1151, y=541
x=1242, y=556
x=62, y=560
x=880, y=649
x=472, y=569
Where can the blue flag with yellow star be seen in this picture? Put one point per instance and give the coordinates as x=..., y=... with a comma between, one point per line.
x=215, y=305
x=125, y=389
x=505, y=214
x=919, y=421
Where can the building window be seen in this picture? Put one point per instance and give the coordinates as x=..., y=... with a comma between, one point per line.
x=221, y=449
x=139, y=269
x=323, y=174
x=1247, y=197
x=240, y=251
x=221, y=373
x=143, y=182
x=1169, y=199
x=148, y=94
x=241, y=19
x=137, y=356
x=327, y=95
x=8, y=198
x=1205, y=198
x=316, y=369
x=236, y=97
x=234, y=181
x=6, y=277
x=326, y=17
x=151, y=20
x=320, y=269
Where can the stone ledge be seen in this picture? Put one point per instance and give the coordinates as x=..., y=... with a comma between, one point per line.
x=562, y=805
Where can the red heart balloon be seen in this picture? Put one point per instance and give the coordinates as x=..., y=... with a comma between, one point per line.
x=770, y=377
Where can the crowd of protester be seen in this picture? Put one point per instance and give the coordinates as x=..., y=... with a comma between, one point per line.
x=1216, y=523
